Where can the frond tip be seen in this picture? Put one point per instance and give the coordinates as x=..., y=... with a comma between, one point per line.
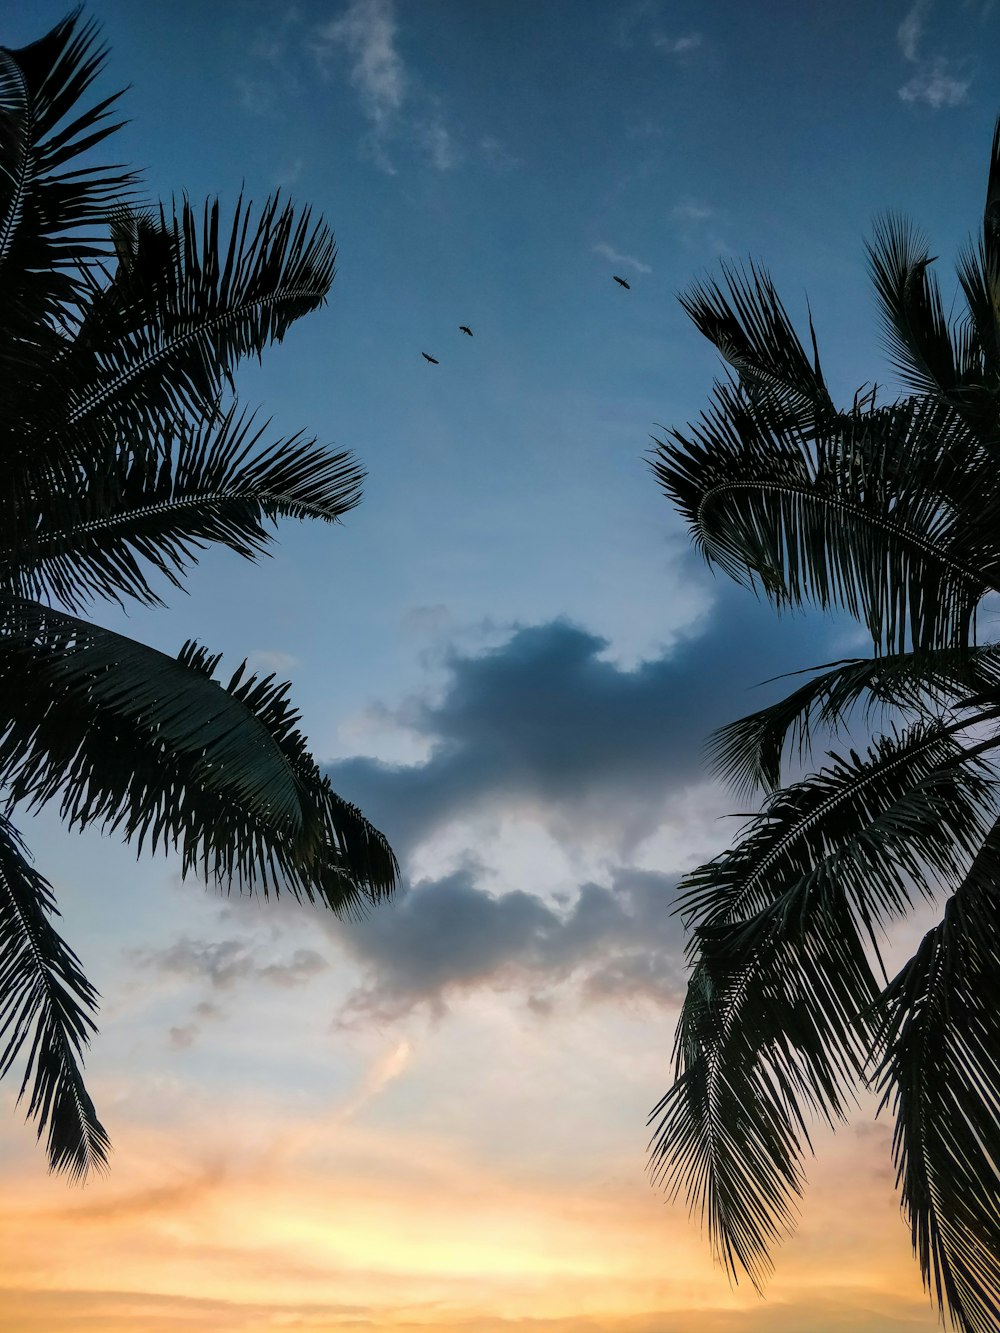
x=45, y=1004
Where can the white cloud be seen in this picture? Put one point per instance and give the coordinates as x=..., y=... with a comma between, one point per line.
x=438, y=144
x=496, y=155
x=911, y=30
x=396, y=108
x=367, y=29
x=691, y=210
x=271, y=659
x=936, y=81
x=936, y=86
x=616, y=257
x=677, y=46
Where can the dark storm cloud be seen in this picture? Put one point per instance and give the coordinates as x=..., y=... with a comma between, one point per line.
x=444, y=937
x=544, y=723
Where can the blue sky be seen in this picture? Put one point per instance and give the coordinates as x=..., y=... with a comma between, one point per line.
x=508, y=655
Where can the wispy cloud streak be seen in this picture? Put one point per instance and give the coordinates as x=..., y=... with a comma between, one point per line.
x=390, y=97
x=616, y=257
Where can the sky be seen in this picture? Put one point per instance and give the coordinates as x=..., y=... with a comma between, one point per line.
x=508, y=655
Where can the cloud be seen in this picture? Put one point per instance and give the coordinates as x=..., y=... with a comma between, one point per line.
x=936, y=82
x=495, y=155
x=391, y=99
x=545, y=727
x=368, y=30
x=911, y=30
x=445, y=937
x=677, y=46
x=386, y=1069
x=271, y=659
x=616, y=257
x=223, y=964
x=271, y=65
x=936, y=86
x=691, y=210
x=438, y=144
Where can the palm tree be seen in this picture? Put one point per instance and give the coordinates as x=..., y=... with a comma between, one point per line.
x=888, y=508
x=124, y=455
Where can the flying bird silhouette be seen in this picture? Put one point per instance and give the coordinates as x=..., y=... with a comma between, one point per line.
x=621, y=282
x=432, y=359
x=464, y=328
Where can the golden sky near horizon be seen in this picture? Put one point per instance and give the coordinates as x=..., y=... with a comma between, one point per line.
x=392, y=1209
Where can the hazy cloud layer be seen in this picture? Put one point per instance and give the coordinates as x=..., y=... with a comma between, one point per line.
x=444, y=937
x=544, y=726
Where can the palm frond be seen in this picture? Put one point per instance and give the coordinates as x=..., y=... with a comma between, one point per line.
x=918, y=339
x=748, y=752
x=776, y=1023
x=189, y=301
x=862, y=514
x=45, y=1004
x=940, y=1072
x=51, y=219
x=131, y=739
x=158, y=509
x=746, y=320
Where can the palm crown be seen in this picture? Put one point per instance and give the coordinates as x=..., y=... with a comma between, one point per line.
x=890, y=510
x=124, y=455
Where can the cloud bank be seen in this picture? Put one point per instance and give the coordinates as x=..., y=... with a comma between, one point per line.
x=545, y=727
x=444, y=937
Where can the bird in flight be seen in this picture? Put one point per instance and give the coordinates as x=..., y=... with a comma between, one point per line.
x=621, y=282
x=432, y=359
x=464, y=328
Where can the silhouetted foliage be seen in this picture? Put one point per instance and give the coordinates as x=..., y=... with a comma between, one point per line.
x=891, y=511
x=124, y=455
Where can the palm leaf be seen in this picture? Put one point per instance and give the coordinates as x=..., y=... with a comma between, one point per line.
x=776, y=1022
x=940, y=1072
x=129, y=738
x=862, y=514
x=159, y=509
x=45, y=1000
x=51, y=219
x=748, y=752
x=918, y=338
x=745, y=319
x=164, y=336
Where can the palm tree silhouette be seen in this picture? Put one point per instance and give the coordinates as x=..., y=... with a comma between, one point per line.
x=124, y=455
x=889, y=510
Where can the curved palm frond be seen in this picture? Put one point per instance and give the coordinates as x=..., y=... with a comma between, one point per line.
x=748, y=752
x=214, y=484
x=46, y=1000
x=746, y=320
x=939, y=1070
x=776, y=1025
x=979, y=274
x=51, y=219
x=918, y=337
x=52, y=214
x=130, y=738
x=861, y=514
x=188, y=300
